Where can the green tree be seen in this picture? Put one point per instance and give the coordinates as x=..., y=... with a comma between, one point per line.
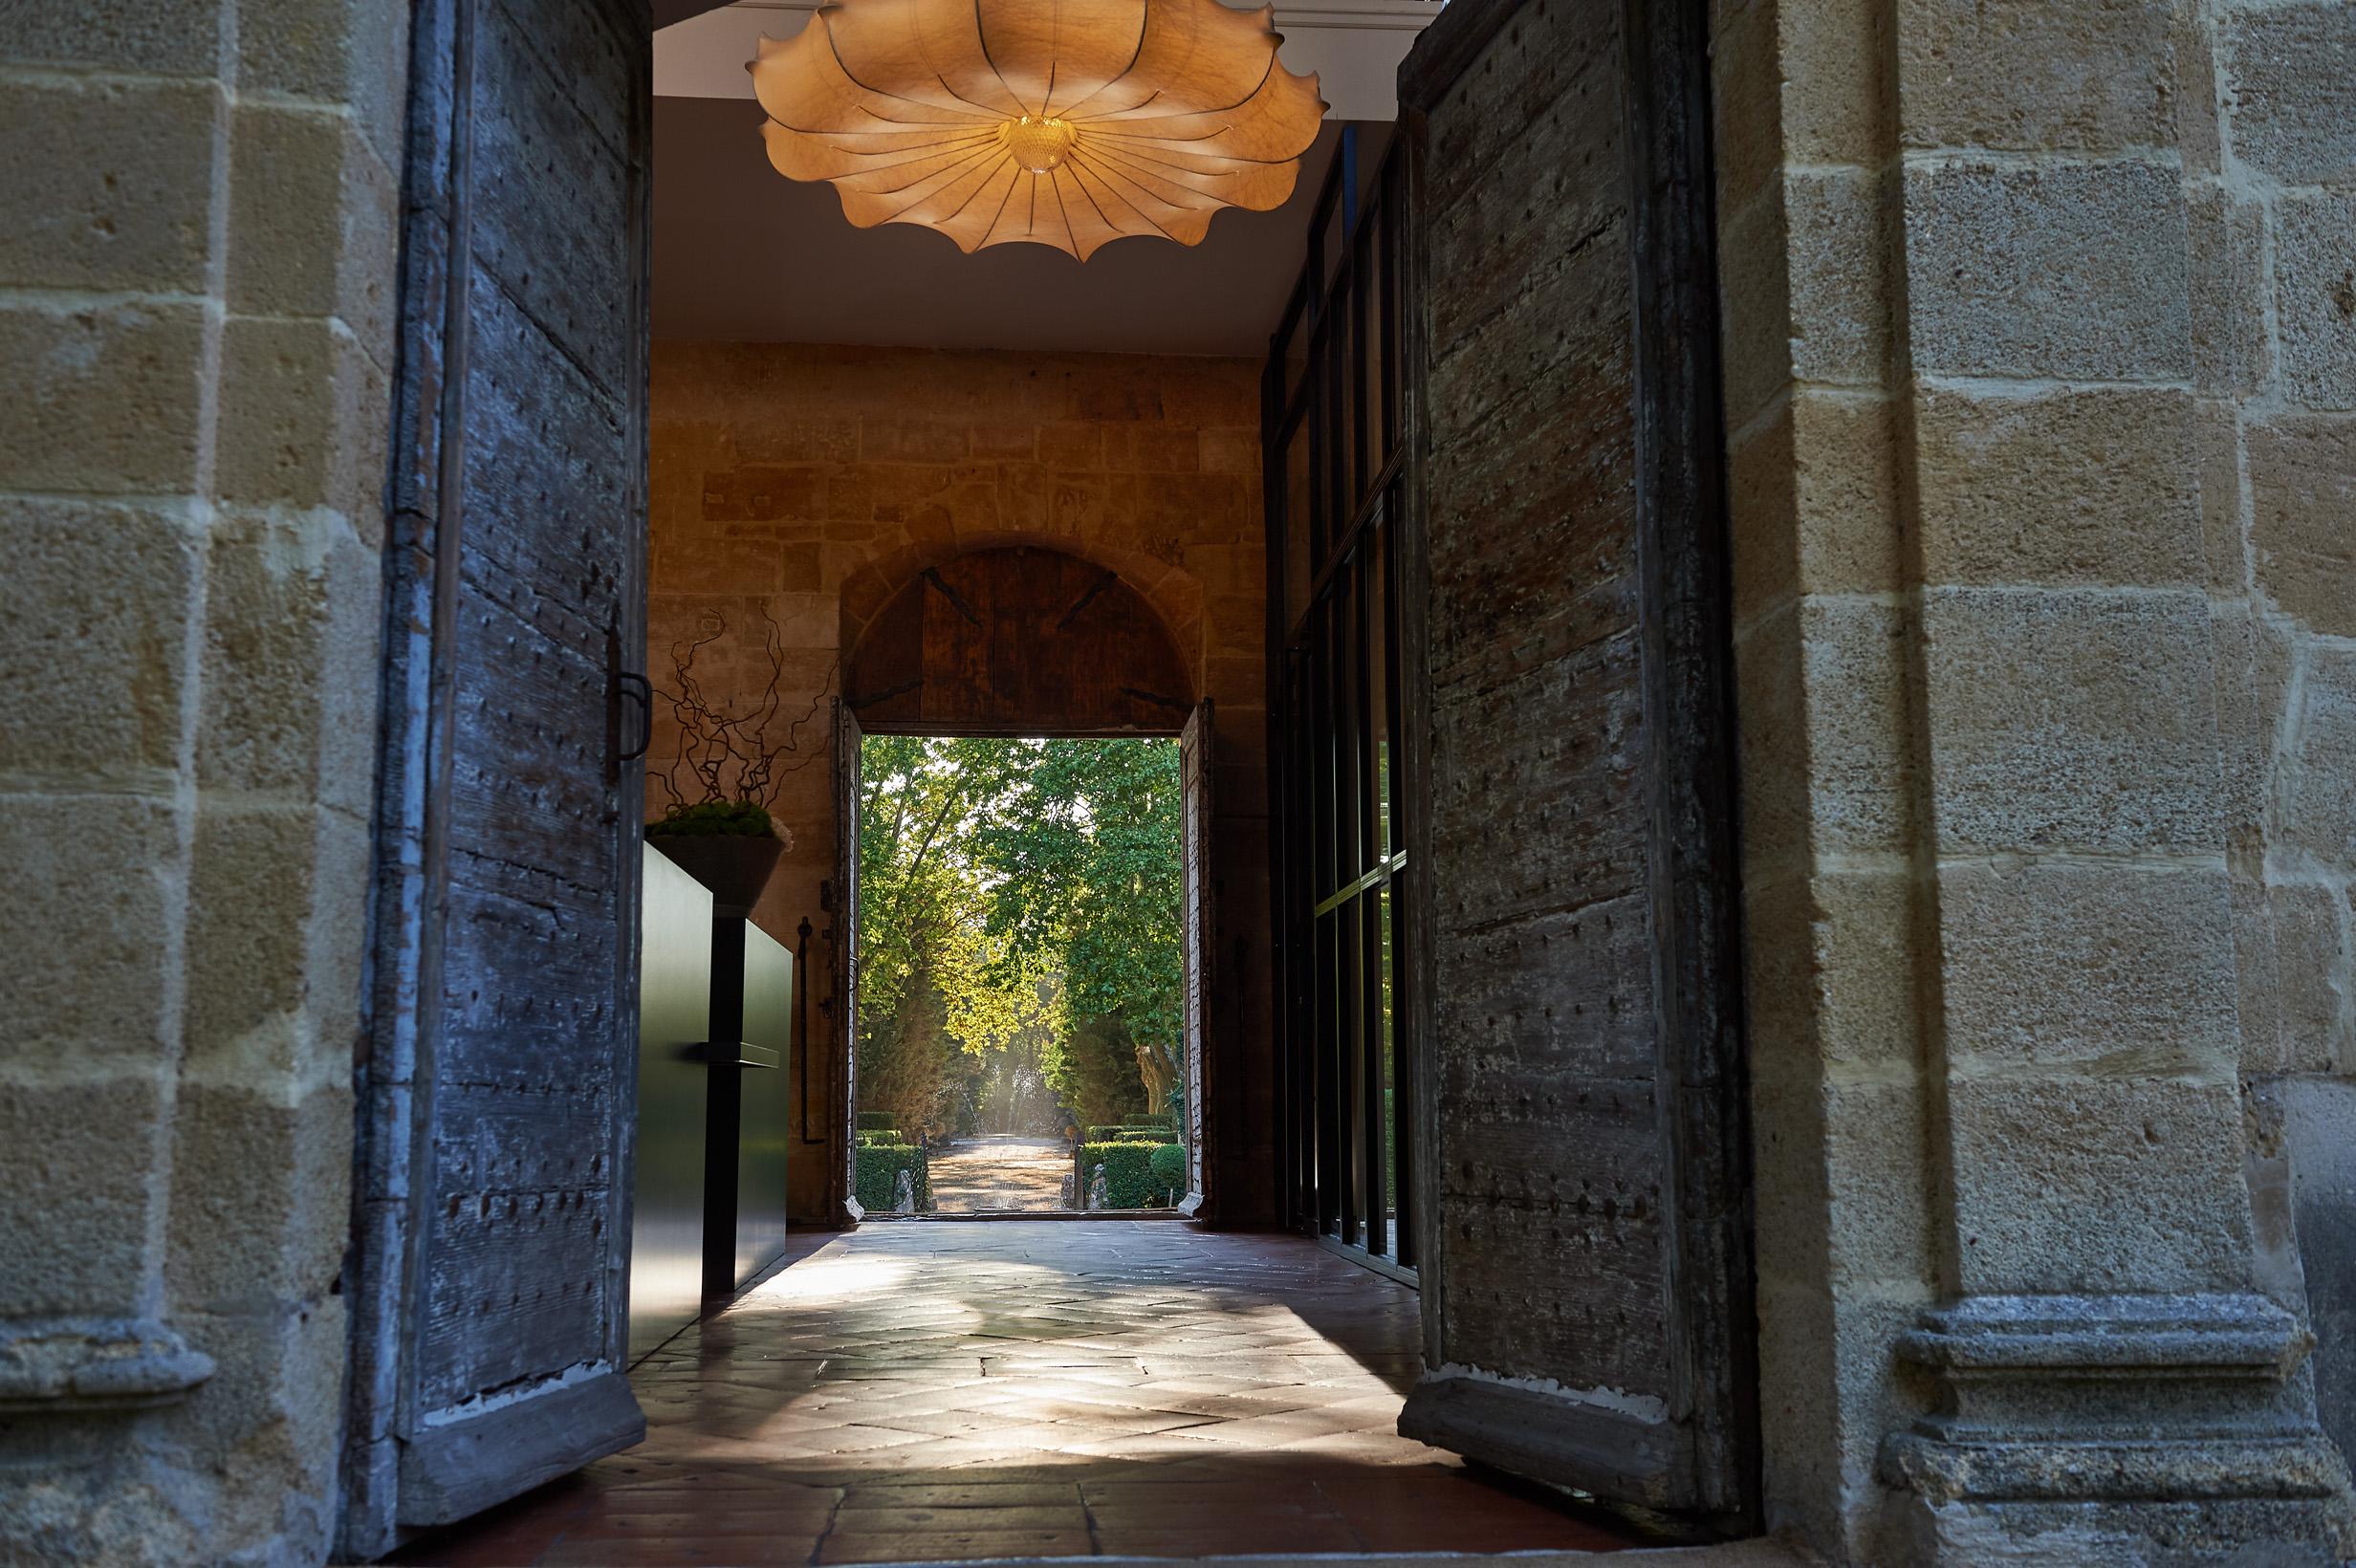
x=1020, y=914
x=1084, y=847
x=932, y=989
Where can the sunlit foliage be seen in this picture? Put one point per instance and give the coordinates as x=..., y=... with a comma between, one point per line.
x=1019, y=920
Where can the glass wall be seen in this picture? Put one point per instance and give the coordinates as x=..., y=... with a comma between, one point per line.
x=1335, y=484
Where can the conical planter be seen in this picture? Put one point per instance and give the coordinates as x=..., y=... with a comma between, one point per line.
x=734, y=866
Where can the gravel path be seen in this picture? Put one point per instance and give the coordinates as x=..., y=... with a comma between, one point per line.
x=1000, y=1171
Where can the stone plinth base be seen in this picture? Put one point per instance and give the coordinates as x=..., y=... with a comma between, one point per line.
x=2141, y=1431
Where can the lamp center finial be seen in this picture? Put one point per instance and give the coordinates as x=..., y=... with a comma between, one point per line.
x=1039, y=144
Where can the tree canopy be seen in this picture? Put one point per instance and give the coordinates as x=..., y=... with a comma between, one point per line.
x=1019, y=920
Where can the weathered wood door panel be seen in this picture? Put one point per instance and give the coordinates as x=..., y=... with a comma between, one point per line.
x=1017, y=641
x=1587, y=1289
x=490, y=1275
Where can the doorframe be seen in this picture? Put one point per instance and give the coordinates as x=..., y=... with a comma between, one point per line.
x=1200, y=946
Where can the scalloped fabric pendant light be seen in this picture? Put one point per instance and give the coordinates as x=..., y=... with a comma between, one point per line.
x=1063, y=123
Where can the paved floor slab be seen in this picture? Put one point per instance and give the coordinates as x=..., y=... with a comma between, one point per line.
x=921, y=1392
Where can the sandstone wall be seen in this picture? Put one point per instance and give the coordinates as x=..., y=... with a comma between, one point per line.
x=2270, y=167
x=196, y=313
x=2040, y=342
x=812, y=483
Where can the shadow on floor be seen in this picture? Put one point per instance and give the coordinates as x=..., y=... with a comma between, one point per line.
x=933, y=1393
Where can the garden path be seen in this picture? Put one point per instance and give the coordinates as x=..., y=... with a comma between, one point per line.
x=1028, y=1388
x=1000, y=1171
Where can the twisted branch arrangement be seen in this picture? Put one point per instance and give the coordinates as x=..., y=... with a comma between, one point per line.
x=727, y=755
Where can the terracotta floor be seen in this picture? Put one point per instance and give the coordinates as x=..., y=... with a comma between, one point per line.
x=1000, y=1173
x=931, y=1391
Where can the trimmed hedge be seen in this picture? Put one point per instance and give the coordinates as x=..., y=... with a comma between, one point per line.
x=1129, y=1182
x=878, y=1169
x=1104, y=1135
x=1149, y=1134
x=876, y=1121
x=876, y=1139
x=1154, y=1119
x=1168, y=1165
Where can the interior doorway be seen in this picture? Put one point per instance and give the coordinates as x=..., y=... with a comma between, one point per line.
x=1021, y=1034
x=1023, y=922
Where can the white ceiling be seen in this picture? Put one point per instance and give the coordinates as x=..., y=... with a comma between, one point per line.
x=741, y=254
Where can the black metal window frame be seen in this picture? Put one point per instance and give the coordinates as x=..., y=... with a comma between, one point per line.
x=1333, y=429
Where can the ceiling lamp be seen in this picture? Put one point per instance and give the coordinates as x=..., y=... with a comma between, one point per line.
x=1064, y=122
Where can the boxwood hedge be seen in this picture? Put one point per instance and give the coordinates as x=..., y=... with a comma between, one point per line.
x=1129, y=1181
x=878, y=1169
x=1168, y=1165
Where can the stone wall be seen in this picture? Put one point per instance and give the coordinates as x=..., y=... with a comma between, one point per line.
x=196, y=310
x=2270, y=176
x=2038, y=321
x=809, y=483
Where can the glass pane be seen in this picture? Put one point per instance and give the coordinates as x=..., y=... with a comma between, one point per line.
x=1349, y=856
x=1374, y=162
x=1351, y=972
x=1387, y=1238
x=1374, y=338
x=1300, y=563
x=1332, y=234
x=1395, y=833
x=1341, y=473
x=1374, y=552
x=1295, y=355
x=1321, y=747
x=1331, y=1090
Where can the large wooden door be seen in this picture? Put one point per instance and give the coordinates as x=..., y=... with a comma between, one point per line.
x=1587, y=1286
x=490, y=1275
x=1195, y=774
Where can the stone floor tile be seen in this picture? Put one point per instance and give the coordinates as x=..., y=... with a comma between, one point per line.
x=898, y=1495
x=925, y=1391
x=952, y=1546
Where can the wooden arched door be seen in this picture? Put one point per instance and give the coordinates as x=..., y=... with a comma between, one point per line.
x=1018, y=640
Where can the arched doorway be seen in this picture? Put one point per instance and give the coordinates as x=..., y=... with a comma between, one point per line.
x=1018, y=640
x=1032, y=641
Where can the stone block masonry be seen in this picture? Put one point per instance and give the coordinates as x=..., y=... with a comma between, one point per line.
x=2043, y=664
x=196, y=309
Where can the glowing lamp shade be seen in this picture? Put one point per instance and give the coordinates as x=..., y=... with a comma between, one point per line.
x=1063, y=123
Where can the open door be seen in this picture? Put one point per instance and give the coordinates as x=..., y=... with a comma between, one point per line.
x=1587, y=1284
x=841, y=1161
x=489, y=1270
x=1195, y=864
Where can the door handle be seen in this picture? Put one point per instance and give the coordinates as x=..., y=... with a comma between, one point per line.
x=629, y=685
